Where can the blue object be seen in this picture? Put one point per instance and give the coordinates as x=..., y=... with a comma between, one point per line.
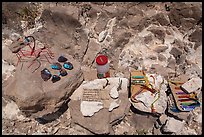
x=68, y=65
x=188, y=108
x=56, y=66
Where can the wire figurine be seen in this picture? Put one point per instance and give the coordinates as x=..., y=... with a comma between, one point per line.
x=25, y=50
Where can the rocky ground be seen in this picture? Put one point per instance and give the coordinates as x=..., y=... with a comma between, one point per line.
x=161, y=38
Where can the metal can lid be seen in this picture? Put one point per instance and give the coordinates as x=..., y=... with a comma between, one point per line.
x=102, y=60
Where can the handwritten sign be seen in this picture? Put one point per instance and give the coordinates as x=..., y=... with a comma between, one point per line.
x=91, y=95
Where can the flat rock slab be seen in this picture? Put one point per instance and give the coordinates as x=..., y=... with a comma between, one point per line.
x=109, y=110
x=173, y=125
x=34, y=95
x=99, y=123
x=141, y=121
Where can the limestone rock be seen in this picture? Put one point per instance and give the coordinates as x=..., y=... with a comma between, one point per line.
x=90, y=123
x=193, y=71
x=124, y=128
x=178, y=43
x=111, y=112
x=181, y=59
x=89, y=108
x=160, y=49
x=9, y=13
x=10, y=111
x=74, y=38
x=161, y=70
x=93, y=49
x=7, y=55
x=102, y=21
x=139, y=121
x=89, y=74
x=171, y=63
x=185, y=11
x=161, y=57
x=196, y=36
x=161, y=18
x=136, y=35
x=33, y=95
x=148, y=39
x=159, y=34
x=198, y=118
x=173, y=125
x=7, y=70
x=176, y=52
x=187, y=131
x=195, y=57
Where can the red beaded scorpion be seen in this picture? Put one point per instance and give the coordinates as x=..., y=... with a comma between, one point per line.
x=23, y=54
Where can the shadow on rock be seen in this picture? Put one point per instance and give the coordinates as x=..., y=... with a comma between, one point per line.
x=48, y=118
x=134, y=110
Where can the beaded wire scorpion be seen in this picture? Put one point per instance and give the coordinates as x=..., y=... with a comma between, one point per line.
x=35, y=54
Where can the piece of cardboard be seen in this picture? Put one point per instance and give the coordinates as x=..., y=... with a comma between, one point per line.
x=175, y=96
x=136, y=88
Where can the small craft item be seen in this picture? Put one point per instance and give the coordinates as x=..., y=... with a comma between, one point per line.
x=68, y=65
x=56, y=66
x=55, y=78
x=139, y=84
x=45, y=74
x=62, y=59
x=63, y=72
x=184, y=101
x=25, y=48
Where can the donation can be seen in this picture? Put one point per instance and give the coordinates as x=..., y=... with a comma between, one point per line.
x=102, y=66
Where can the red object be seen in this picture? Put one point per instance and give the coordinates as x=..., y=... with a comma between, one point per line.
x=107, y=74
x=102, y=60
x=184, y=96
x=24, y=54
x=177, y=88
